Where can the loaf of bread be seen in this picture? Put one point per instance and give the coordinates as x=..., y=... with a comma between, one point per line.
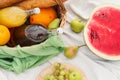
x=28, y=4
x=6, y=3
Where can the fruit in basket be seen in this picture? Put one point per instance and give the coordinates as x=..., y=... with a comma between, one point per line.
x=76, y=25
x=102, y=34
x=14, y=16
x=27, y=35
x=4, y=35
x=54, y=24
x=71, y=51
x=45, y=17
x=54, y=73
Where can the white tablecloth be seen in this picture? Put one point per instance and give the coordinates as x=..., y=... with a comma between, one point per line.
x=94, y=67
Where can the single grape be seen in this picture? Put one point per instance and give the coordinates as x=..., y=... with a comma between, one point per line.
x=62, y=72
x=56, y=65
x=66, y=74
x=56, y=73
x=62, y=67
x=61, y=77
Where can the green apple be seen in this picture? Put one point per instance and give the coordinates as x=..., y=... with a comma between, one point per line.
x=77, y=25
x=75, y=75
x=71, y=51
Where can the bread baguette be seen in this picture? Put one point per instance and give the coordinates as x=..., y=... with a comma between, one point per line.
x=50, y=68
x=28, y=4
x=6, y=3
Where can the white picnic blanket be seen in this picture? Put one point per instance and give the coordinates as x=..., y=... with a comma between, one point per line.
x=94, y=67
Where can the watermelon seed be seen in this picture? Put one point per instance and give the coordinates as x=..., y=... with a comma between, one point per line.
x=103, y=15
x=94, y=35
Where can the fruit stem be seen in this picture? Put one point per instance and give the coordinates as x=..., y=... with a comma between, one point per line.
x=81, y=45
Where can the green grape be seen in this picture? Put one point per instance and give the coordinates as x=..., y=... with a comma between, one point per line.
x=61, y=77
x=56, y=65
x=62, y=72
x=56, y=72
x=66, y=74
x=62, y=67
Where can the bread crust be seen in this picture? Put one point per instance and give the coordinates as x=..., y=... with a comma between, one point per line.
x=28, y=4
x=6, y=3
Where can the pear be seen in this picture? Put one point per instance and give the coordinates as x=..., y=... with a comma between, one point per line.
x=54, y=24
x=76, y=25
x=71, y=51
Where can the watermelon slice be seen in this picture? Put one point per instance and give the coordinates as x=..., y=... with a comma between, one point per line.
x=102, y=32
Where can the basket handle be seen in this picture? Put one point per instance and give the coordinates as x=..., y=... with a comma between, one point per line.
x=62, y=12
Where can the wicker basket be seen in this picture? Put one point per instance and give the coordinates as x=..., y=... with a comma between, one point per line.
x=18, y=59
x=62, y=12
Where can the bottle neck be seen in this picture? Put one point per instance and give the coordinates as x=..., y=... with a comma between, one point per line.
x=32, y=11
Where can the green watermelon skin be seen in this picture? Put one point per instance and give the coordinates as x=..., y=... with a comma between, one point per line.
x=102, y=32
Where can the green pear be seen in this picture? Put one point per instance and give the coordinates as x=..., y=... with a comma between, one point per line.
x=71, y=51
x=54, y=24
x=77, y=25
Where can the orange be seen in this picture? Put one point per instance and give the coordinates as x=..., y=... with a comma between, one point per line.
x=4, y=35
x=45, y=16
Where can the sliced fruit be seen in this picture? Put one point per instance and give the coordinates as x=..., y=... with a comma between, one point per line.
x=102, y=34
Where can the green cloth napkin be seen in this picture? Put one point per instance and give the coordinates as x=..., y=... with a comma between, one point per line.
x=19, y=59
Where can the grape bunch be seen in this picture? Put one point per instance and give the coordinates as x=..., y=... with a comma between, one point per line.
x=60, y=72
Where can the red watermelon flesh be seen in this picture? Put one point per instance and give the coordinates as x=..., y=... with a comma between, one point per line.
x=102, y=32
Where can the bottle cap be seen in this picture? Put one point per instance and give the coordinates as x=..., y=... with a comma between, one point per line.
x=60, y=31
x=36, y=10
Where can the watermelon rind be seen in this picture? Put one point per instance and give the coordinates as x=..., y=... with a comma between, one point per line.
x=89, y=45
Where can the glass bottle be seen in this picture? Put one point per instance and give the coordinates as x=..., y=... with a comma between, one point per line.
x=29, y=35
